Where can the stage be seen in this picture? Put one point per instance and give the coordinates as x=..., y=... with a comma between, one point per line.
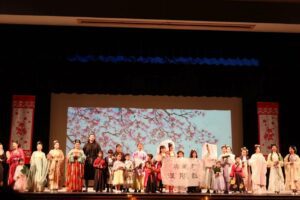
x=148, y=196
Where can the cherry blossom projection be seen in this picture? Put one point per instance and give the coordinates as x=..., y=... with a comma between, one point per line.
x=189, y=129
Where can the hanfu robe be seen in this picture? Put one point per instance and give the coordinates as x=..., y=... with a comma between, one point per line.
x=38, y=172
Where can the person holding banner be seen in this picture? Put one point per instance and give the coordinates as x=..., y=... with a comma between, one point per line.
x=180, y=188
x=170, y=153
x=194, y=157
x=13, y=158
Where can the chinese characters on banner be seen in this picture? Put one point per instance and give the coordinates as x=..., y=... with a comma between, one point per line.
x=181, y=172
x=267, y=125
x=22, y=123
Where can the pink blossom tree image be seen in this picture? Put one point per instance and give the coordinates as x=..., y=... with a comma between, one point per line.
x=129, y=126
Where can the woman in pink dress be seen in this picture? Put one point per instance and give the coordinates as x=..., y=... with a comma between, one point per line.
x=13, y=158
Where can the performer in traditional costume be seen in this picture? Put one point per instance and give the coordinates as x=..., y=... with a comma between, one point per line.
x=170, y=153
x=259, y=169
x=226, y=163
x=90, y=149
x=139, y=158
x=20, y=177
x=118, y=169
x=292, y=170
x=209, y=159
x=149, y=180
x=109, y=160
x=99, y=180
x=246, y=169
x=38, y=172
x=180, y=188
x=219, y=182
x=75, y=168
x=237, y=181
x=194, y=156
x=128, y=171
x=118, y=151
x=56, y=160
x=158, y=164
x=13, y=158
x=275, y=163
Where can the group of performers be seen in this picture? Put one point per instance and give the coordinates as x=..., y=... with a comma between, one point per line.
x=141, y=172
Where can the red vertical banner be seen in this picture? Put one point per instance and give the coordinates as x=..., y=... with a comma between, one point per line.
x=268, y=128
x=22, y=123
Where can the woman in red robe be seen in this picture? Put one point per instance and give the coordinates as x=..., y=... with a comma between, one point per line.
x=13, y=158
x=75, y=168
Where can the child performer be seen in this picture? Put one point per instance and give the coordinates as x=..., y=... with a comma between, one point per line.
x=150, y=181
x=139, y=158
x=219, y=183
x=99, y=165
x=237, y=181
x=246, y=169
x=180, y=189
x=194, y=156
x=20, y=177
x=109, y=160
x=159, y=159
x=128, y=173
x=170, y=153
x=226, y=163
x=209, y=160
x=118, y=170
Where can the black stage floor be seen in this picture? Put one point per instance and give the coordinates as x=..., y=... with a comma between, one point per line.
x=145, y=196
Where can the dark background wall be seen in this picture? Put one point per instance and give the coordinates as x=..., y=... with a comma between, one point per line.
x=33, y=60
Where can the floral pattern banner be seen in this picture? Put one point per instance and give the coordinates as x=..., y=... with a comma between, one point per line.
x=267, y=125
x=188, y=129
x=22, y=123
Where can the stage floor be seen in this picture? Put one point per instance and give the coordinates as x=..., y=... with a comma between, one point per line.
x=146, y=196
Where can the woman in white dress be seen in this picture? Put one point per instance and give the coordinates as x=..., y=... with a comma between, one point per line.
x=292, y=170
x=275, y=163
x=38, y=172
x=259, y=169
x=209, y=157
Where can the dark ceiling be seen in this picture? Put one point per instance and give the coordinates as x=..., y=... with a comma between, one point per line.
x=269, y=11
